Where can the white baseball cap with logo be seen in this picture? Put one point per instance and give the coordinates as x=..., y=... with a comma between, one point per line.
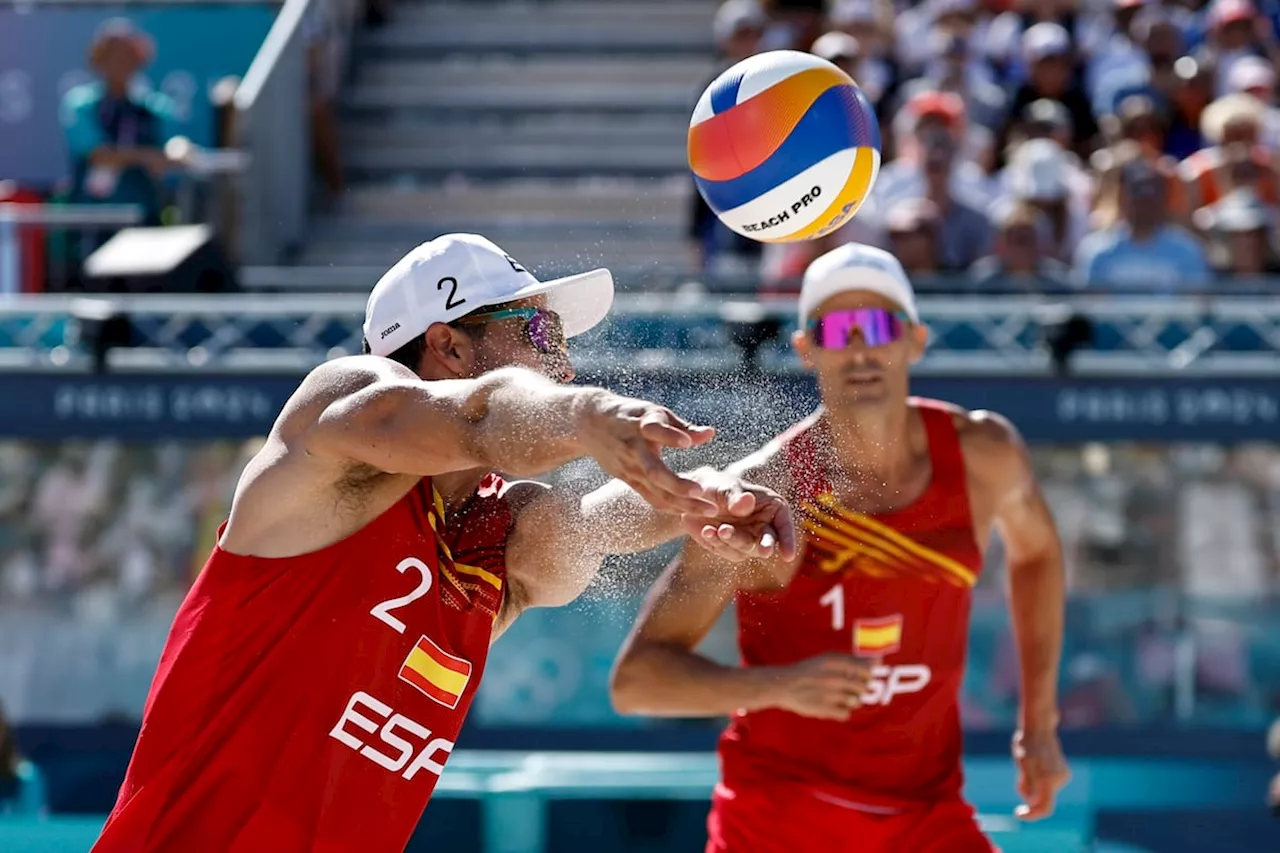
x=455, y=274
x=856, y=266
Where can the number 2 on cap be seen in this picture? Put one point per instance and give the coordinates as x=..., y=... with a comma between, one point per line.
x=450, y=303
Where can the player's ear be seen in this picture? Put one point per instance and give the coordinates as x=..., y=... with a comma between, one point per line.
x=919, y=339
x=448, y=353
x=804, y=347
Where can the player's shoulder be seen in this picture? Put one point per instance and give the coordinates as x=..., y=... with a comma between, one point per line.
x=341, y=377
x=981, y=432
x=992, y=447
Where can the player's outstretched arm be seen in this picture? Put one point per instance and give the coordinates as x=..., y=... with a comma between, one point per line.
x=1037, y=593
x=659, y=673
x=561, y=537
x=374, y=412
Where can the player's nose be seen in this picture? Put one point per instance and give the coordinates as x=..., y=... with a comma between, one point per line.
x=566, y=371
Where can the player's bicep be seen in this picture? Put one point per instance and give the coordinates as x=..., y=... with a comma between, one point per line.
x=1022, y=515
x=548, y=561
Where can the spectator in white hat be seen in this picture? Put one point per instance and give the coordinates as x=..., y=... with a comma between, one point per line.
x=1256, y=76
x=1232, y=119
x=1051, y=73
x=1237, y=29
x=866, y=21
x=737, y=28
x=1241, y=234
x=1044, y=176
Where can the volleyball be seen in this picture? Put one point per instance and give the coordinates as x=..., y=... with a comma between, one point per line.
x=784, y=147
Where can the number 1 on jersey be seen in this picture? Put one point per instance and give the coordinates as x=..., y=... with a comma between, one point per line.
x=382, y=612
x=834, y=598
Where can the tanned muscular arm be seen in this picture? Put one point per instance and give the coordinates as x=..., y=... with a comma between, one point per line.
x=373, y=422
x=561, y=537
x=382, y=415
x=998, y=461
x=659, y=673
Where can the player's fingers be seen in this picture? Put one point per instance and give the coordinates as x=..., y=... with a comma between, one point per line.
x=850, y=667
x=740, y=502
x=836, y=709
x=681, y=494
x=1021, y=785
x=784, y=525
x=670, y=430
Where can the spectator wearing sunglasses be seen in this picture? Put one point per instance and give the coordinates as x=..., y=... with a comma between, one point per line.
x=1241, y=234
x=1020, y=260
x=1144, y=250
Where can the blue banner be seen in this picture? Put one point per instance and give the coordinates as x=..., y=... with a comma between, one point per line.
x=43, y=49
x=1070, y=410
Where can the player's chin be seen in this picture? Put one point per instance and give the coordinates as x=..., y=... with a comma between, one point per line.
x=863, y=392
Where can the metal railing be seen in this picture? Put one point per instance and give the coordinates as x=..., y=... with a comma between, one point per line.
x=85, y=222
x=1005, y=335
x=271, y=124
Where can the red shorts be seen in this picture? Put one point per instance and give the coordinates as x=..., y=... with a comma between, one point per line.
x=785, y=819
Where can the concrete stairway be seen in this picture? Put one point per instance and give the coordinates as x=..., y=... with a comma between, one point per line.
x=555, y=127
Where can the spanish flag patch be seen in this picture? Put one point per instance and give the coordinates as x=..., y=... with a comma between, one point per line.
x=436, y=673
x=876, y=637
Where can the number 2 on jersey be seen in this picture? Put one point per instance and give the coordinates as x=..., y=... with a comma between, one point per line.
x=834, y=598
x=382, y=612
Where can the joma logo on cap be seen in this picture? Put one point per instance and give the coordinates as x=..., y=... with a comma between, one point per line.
x=515, y=265
x=389, y=329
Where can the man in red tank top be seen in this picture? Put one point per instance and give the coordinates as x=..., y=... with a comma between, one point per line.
x=320, y=668
x=845, y=727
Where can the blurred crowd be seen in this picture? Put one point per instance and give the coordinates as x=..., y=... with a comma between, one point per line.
x=99, y=528
x=1126, y=144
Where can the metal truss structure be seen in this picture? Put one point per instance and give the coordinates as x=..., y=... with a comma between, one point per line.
x=1007, y=335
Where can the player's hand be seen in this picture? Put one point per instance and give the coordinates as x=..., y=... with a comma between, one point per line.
x=752, y=522
x=626, y=436
x=1042, y=772
x=828, y=686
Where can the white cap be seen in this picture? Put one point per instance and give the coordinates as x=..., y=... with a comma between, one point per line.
x=856, y=266
x=1045, y=39
x=1038, y=171
x=734, y=16
x=1251, y=72
x=836, y=45
x=849, y=12
x=455, y=274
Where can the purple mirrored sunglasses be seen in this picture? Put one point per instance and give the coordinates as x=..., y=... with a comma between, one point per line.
x=543, y=328
x=878, y=327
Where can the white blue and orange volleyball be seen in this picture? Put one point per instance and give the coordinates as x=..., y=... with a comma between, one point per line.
x=784, y=147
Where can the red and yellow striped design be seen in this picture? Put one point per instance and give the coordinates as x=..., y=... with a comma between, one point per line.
x=436, y=673
x=877, y=637
x=850, y=541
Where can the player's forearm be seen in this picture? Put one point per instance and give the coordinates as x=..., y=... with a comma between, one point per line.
x=524, y=424
x=665, y=681
x=511, y=420
x=1037, y=592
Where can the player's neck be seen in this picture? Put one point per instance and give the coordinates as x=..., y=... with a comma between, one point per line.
x=457, y=487
x=870, y=440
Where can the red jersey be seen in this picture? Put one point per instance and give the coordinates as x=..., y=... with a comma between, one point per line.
x=895, y=587
x=310, y=703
